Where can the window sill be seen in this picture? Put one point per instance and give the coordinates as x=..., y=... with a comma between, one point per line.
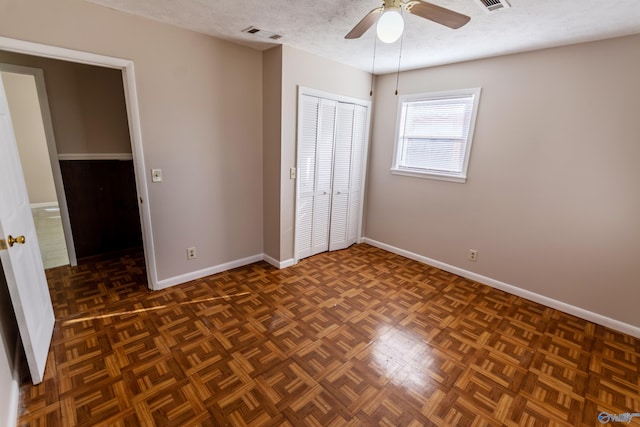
x=429, y=175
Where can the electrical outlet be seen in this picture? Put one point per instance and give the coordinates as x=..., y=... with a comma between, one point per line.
x=191, y=253
x=473, y=255
x=156, y=175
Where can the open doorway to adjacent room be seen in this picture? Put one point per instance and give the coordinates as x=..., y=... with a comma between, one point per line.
x=75, y=148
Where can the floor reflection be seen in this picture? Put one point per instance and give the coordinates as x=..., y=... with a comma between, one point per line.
x=402, y=357
x=50, y=234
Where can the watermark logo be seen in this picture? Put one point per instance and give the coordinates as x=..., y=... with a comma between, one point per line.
x=605, y=417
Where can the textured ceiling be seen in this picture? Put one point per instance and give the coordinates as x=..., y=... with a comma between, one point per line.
x=319, y=26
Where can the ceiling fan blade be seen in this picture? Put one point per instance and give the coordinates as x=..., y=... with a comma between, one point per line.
x=364, y=24
x=438, y=14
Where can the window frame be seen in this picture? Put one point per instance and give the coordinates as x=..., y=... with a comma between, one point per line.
x=398, y=169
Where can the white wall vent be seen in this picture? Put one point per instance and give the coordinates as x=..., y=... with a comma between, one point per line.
x=492, y=5
x=262, y=33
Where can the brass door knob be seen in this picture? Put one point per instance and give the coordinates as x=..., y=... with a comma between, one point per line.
x=13, y=240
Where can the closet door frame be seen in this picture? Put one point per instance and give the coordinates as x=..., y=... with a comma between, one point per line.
x=338, y=98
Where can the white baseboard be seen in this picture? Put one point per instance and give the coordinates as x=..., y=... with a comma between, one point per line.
x=287, y=263
x=279, y=264
x=274, y=262
x=514, y=290
x=194, y=275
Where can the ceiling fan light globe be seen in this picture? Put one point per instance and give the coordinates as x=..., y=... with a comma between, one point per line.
x=390, y=26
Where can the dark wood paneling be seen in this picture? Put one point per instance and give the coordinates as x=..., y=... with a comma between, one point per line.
x=103, y=210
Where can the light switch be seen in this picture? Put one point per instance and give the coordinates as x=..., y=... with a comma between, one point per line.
x=156, y=175
x=292, y=173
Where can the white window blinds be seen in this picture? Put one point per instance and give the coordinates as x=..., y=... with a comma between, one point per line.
x=434, y=133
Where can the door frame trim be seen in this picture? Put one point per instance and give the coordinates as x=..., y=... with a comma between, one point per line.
x=133, y=115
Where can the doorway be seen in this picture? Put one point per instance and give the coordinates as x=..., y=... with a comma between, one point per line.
x=331, y=165
x=29, y=294
x=133, y=154
x=90, y=155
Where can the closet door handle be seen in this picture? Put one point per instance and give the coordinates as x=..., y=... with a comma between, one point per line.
x=337, y=193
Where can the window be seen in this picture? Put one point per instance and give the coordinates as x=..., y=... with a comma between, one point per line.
x=434, y=134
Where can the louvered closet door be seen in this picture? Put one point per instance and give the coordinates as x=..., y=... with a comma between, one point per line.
x=324, y=169
x=341, y=177
x=331, y=146
x=357, y=165
x=308, y=130
x=315, y=158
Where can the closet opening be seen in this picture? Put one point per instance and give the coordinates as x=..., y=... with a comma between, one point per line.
x=332, y=146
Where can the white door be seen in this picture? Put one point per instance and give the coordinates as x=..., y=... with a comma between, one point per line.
x=357, y=165
x=21, y=260
x=324, y=167
x=341, y=177
x=307, y=137
x=315, y=166
x=330, y=162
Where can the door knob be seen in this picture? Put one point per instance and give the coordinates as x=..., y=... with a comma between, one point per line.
x=13, y=240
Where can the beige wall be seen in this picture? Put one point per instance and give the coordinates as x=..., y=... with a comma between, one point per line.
x=31, y=140
x=300, y=68
x=86, y=102
x=552, y=200
x=271, y=134
x=103, y=112
x=201, y=122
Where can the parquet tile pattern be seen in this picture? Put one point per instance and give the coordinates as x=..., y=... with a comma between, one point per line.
x=359, y=337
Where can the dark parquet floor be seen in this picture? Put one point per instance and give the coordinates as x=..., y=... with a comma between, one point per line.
x=359, y=337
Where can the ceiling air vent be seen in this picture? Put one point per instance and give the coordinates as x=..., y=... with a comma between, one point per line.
x=492, y=5
x=262, y=33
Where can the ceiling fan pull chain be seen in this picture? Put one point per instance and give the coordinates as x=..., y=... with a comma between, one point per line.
x=399, y=59
x=373, y=63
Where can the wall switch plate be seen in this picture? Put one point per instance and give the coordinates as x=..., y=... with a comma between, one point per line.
x=191, y=253
x=156, y=175
x=292, y=173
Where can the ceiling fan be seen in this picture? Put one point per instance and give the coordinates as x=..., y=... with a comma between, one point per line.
x=390, y=22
